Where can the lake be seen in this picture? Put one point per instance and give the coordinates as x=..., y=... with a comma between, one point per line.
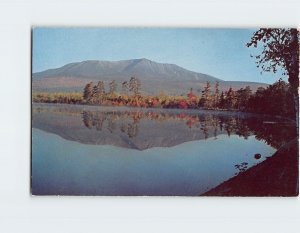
x=94, y=150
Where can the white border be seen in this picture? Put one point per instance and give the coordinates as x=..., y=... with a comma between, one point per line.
x=19, y=212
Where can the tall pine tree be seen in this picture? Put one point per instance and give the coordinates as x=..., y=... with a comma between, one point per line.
x=88, y=92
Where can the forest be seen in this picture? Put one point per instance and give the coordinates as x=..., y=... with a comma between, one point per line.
x=276, y=99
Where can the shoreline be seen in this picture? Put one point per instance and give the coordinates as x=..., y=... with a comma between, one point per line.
x=170, y=110
x=276, y=176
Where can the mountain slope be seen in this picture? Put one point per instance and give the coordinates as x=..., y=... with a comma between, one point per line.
x=154, y=76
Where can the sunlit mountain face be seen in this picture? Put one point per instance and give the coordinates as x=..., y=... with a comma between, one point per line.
x=155, y=77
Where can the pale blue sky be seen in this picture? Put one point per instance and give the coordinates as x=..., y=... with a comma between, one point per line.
x=218, y=52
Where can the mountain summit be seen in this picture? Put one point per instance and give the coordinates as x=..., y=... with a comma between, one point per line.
x=154, y=76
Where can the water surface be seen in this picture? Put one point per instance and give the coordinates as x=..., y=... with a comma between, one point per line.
x=86, y=150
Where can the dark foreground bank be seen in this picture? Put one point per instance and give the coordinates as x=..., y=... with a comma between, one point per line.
x=276, y=176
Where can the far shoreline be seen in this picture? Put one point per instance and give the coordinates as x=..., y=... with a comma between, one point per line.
x=218, y=112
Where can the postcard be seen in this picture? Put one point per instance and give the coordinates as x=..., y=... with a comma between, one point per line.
x=165, y=111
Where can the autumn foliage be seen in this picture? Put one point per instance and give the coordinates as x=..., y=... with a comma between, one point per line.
x=276, y=99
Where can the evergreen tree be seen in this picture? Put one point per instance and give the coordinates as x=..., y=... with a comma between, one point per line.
x=205, y=100
x=99, y=92
x=222, y=101
x=88, y=92
x=134, y=86
x=230, y=99
x=243, y=95
x=112, y=88
x=125, y=88
x=217, y=95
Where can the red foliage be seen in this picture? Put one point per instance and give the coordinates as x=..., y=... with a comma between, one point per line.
x=155, y=102
x=182, y=104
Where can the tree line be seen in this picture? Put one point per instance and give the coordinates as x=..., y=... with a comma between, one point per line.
x=97, y=94
x=276, y=99
x=230, y=99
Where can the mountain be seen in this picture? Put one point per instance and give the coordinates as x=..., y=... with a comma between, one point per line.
x=155, y=77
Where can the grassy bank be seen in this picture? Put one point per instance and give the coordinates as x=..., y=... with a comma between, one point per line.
x=61, y=97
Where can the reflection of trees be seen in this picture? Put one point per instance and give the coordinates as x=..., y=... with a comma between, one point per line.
x=243, y=130
x=274, y=134
x=132, y=130
x=205, y=123
x=91, y=120
x=111, y=126
x=87, y=118
x=230, y=125
x=98, y=119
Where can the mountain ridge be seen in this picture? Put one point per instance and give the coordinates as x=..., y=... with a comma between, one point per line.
x=170, y=78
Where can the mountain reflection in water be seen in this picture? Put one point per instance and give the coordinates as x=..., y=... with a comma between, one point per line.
x=92, y=150
x=146, y=128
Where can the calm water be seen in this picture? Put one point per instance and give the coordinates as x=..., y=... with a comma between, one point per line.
x=86, y=150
